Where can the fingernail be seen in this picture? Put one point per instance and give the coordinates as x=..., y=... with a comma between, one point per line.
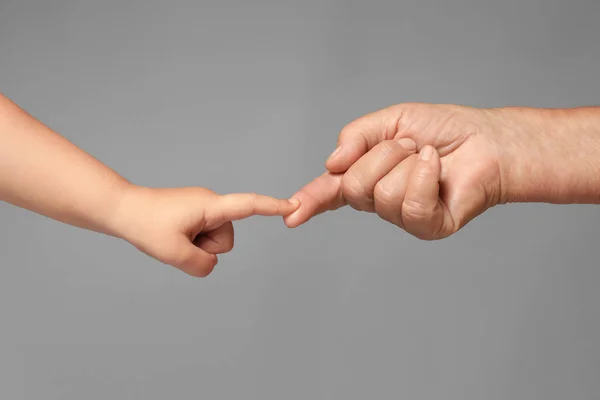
x=407, y=144
x=295, y=202
x=426, y=153
x=335, y=153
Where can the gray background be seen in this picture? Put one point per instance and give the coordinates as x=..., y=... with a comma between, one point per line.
x=250, y=96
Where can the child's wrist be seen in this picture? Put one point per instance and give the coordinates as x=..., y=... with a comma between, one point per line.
x=122, y=219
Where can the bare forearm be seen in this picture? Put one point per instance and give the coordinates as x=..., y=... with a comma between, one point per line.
x=43, y=172
x=550, y=155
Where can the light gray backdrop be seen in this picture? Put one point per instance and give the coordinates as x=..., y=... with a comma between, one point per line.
x=250, y=96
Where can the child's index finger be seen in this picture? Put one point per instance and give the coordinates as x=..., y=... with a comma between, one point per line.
x=236, y=206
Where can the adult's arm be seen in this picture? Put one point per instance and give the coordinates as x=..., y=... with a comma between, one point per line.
x=431, y=168
x=549, y=155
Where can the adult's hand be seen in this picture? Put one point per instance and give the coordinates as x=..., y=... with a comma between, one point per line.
x=428, y=169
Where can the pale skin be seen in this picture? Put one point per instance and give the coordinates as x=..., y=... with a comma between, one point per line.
x=184, y=227
x=427, y=168
x=432, y=168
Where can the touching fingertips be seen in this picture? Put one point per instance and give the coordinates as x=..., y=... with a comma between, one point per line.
x=290, y=221
x=290, y=218
x=299, y=216
x=294, y=220
x=295, y=202
x=288, y=207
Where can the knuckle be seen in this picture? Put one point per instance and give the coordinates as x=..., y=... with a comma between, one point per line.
x=352, y=187
x=401, y=112
x=385, y=193
x=414, y=210
x=422, y=173
x=366, y=128
x=386, y=148
x=354, y=192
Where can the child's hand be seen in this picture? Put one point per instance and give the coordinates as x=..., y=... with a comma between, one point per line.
x=187, y=227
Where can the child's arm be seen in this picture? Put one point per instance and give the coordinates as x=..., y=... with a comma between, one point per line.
x=43, y=172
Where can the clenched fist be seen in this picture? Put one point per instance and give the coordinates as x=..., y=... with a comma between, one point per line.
x=428, y=169
x=188, y=227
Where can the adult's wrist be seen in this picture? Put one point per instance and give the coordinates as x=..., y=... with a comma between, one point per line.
x=548, y=155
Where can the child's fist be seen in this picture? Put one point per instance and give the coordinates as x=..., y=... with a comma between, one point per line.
x=188, y=227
